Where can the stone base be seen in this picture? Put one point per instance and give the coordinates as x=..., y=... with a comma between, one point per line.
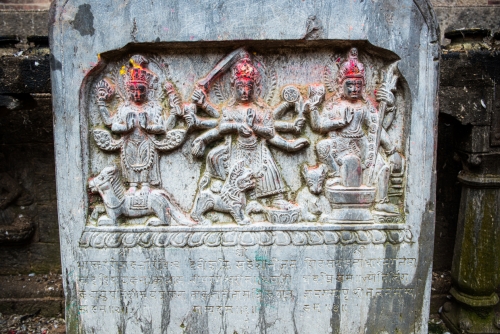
x=462, y=318
x=352, y=214
x=351, y=205
x=340, y=195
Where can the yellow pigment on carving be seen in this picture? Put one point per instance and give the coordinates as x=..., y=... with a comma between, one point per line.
x=123, y=70
x=134, y=64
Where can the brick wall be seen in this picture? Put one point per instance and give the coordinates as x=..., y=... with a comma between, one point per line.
x=25, y=4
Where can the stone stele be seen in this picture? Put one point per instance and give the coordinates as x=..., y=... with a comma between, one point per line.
x=245, y=166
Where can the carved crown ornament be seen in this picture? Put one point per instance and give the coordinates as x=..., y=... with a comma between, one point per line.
x=246, y=153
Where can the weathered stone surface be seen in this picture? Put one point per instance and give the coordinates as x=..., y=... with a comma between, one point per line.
x=208, y=182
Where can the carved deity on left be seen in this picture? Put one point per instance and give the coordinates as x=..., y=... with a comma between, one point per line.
x=139, y=122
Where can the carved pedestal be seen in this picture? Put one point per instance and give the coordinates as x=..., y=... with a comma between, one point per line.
x=351, y=204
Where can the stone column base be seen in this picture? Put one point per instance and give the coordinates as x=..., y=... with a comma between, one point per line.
x=463, y=318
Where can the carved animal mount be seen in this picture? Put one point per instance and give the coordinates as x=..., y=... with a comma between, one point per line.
x=232, y=198
x=313, y=201
x=117, y=203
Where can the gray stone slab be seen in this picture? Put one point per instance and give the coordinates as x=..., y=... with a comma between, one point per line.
x=245, y=166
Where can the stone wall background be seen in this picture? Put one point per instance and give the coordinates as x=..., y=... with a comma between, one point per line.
x=27, y=154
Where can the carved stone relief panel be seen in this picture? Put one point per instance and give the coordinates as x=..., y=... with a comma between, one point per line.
x=255, y=141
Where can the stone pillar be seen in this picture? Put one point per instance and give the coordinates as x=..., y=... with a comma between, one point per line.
x=476, y=261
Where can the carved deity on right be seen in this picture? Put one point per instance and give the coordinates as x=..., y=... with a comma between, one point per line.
x=358, y=150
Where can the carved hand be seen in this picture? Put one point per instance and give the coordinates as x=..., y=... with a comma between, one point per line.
x=190, y=119
x=131, y=119
x=198, y=147
x=175, y=105
x=312, y=102
x=396, y=162
x=143, y=120
x=299, y=124
x=348, y=116
x=102, y=95
x=386, y=96
x=104, y=91
x=299, y=144
x=250, y=116
x=199, y=97
x=244, y=130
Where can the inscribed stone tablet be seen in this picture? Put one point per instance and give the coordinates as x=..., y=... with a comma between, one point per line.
x=245, y=166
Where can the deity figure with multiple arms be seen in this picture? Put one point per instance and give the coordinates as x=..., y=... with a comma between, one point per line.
x=139, y=119
x=249, y=125
x=354, y=129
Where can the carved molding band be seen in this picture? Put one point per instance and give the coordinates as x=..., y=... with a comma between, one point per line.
x=147, y=239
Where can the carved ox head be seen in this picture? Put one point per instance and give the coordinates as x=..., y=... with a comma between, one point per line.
x=315, y=177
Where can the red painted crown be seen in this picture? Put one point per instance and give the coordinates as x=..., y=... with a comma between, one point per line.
x=137, y=72
x=351, y=68
x=244, y=69
x=137, y=75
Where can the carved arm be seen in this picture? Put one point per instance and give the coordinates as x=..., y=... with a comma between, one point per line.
x=295, y=127
x=386, y=143
x=323, y=124
x=285, y=126
x=280, y=110
x=227, y=127
x=199, y=144
x=106, y=116
x=288, y=145
x=266, y=132
x=200, y=99
x=210, y=110
x=196, y=122
x=104, y=91
x=170, y=122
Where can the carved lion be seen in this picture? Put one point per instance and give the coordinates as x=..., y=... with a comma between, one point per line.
x=231, y=199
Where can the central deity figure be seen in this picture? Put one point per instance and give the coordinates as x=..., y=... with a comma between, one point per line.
x=248, y=125
x=253, y=124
